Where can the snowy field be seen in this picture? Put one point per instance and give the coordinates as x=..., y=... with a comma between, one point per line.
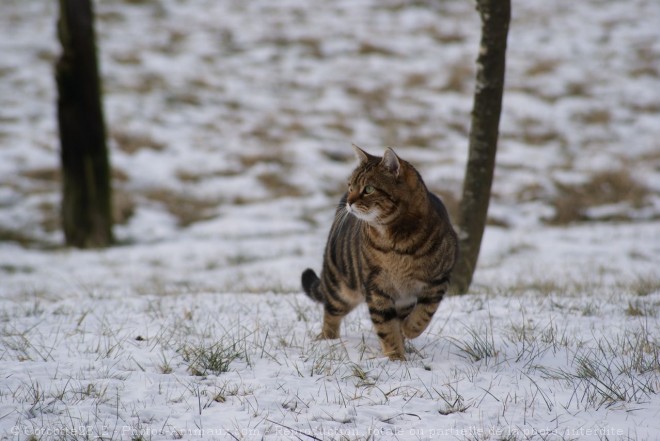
x=230, y=124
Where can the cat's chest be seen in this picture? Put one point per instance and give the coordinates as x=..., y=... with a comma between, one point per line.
x=403, y=288
x=401, y=276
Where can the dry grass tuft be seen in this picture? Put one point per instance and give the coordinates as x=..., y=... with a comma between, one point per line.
x=278, y=185
x=44, y=174
x=194, y=177
x=50, y=216
x=109, y=16
x=249, y=160
x=596, y=116
x=129, y=58
x=577, y=88
x=373, y=101
x=133, y=142
x=187, y=209
x=23, y=239
x=461, y=75
x=644, y=286
x=534, y=132
x=368, y=48
x=443, y=37
x=51, y=174
x=341, y=125
x=123, y=206
x=416, y=80
x=608, y=187
x=541, y=67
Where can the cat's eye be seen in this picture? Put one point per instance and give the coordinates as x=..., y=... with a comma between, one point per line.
x=369, y=189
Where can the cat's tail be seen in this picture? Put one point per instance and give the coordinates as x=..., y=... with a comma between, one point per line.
x=311, y=283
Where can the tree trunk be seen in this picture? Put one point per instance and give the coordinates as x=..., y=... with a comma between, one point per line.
x=87, y=193
x=473, y=212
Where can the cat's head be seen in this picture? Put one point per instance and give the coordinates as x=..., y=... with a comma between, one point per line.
x=381, y=189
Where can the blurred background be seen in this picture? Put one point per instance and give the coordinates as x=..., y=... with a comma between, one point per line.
x=234, y=119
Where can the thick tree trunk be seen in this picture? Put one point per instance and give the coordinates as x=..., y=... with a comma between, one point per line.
x=495, y=17
x=86, y=200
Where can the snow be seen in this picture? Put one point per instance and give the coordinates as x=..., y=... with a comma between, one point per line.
x=242, y=115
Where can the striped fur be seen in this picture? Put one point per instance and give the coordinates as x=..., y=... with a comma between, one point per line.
x=391, y=245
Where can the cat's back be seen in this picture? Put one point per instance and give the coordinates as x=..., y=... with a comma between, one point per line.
x=446, y=236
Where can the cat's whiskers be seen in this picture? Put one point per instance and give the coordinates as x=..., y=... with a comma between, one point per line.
x=340, y=221
x=350, y=211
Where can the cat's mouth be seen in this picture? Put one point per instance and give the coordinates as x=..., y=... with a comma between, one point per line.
x=370, y=217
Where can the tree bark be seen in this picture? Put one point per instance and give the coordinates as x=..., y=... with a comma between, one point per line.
x=86, y=190
x=473, y=211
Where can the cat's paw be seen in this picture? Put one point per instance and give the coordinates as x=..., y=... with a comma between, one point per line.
x=396, y=356
x=325, y=335
x=413, y=328
x=411, y=333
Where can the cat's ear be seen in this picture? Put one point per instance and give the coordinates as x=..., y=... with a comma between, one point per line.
x=391, y=162
x=361, y=154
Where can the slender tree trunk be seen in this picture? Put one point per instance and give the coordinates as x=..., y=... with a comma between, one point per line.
x=495, y=17
x=87, y=194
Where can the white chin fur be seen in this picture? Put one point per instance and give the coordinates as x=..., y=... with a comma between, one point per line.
x=369, y=217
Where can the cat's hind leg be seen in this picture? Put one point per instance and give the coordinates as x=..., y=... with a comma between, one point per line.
x=337, y=303
x=331, y=324
x=335, y=307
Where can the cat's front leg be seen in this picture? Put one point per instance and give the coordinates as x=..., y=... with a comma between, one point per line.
x=427, y=303
x=386, y=323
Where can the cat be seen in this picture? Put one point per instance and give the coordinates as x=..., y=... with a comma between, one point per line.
x=391, y=245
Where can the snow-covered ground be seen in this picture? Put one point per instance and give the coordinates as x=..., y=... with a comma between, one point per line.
x=230, y=126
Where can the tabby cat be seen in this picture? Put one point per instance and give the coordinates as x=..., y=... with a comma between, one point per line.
x=391, y=245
